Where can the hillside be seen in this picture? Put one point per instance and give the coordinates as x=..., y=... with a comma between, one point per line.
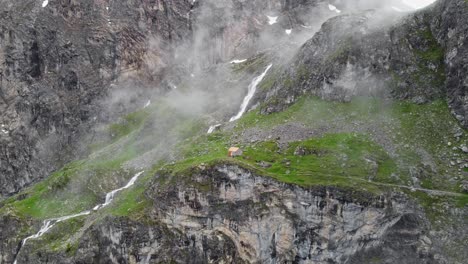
x=118, y=116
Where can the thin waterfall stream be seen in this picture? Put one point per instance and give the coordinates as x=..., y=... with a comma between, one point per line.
x=252, y=88
x=49, y=223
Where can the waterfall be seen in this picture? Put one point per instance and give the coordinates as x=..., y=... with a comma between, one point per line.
x=110, y=195
x=49, y=223
x=252, y=88
x=213, y=128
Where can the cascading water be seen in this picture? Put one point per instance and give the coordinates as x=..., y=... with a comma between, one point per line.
x=213, y=128
x=110, y=195
x=252, y=88
x=49, y=223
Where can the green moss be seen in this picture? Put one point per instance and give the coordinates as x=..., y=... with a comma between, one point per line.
x=462, y=201
x=303, y=73
x=375, y=260
x=430, y=60
x=200, y=150
x=419, y=134
x=78, y=186
x=315, y=112
x=129, y=123
x=434, y=51
x=432, y=205
x=341, y=53
x=342, y=159
x=132, y=202
x=44, y=199
x=329, y=159
x=270, y=80
x=429, y=125
x=69, y=190
x=426, y=131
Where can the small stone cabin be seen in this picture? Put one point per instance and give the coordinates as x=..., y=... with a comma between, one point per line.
x=234, y=152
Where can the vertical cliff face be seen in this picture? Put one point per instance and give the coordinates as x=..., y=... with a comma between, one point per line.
x=451, y=33
x=56, y=63
x=233, y=29
x=227, y=214
x=270, y=222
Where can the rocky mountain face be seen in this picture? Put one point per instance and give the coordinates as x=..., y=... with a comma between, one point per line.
x=418, y=57
x=70, y=70
x=226, y=214
x=58, y=61
x=61, y=61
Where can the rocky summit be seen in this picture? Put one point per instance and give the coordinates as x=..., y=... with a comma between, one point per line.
x=234, y=131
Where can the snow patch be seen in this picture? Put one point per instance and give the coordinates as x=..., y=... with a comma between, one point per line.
x=4, y=130
x=272, y=20
x=333, y=8
x=45, y=3
x=147, y=104
x=418, y=4
x=288, y=31
x=238, y=61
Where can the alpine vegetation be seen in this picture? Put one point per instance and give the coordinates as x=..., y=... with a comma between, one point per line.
x=231, y=131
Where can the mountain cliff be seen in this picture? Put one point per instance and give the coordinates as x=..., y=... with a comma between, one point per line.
x=353, y=131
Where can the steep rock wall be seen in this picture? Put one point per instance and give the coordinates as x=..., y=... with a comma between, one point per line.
x=57, y=62
x=226, y=214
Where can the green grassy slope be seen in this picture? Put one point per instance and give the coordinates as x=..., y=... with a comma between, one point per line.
x=367, y=145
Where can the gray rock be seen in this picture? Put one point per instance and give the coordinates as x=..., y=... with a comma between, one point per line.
x=300, y=151
x=464, y=149
x=57, y=63
x=355, y=54
x=264, y=164
x=464, y=186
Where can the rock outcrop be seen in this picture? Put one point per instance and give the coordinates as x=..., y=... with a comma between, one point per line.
x=227, y=214
x=57, y=62
x=417, y=57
